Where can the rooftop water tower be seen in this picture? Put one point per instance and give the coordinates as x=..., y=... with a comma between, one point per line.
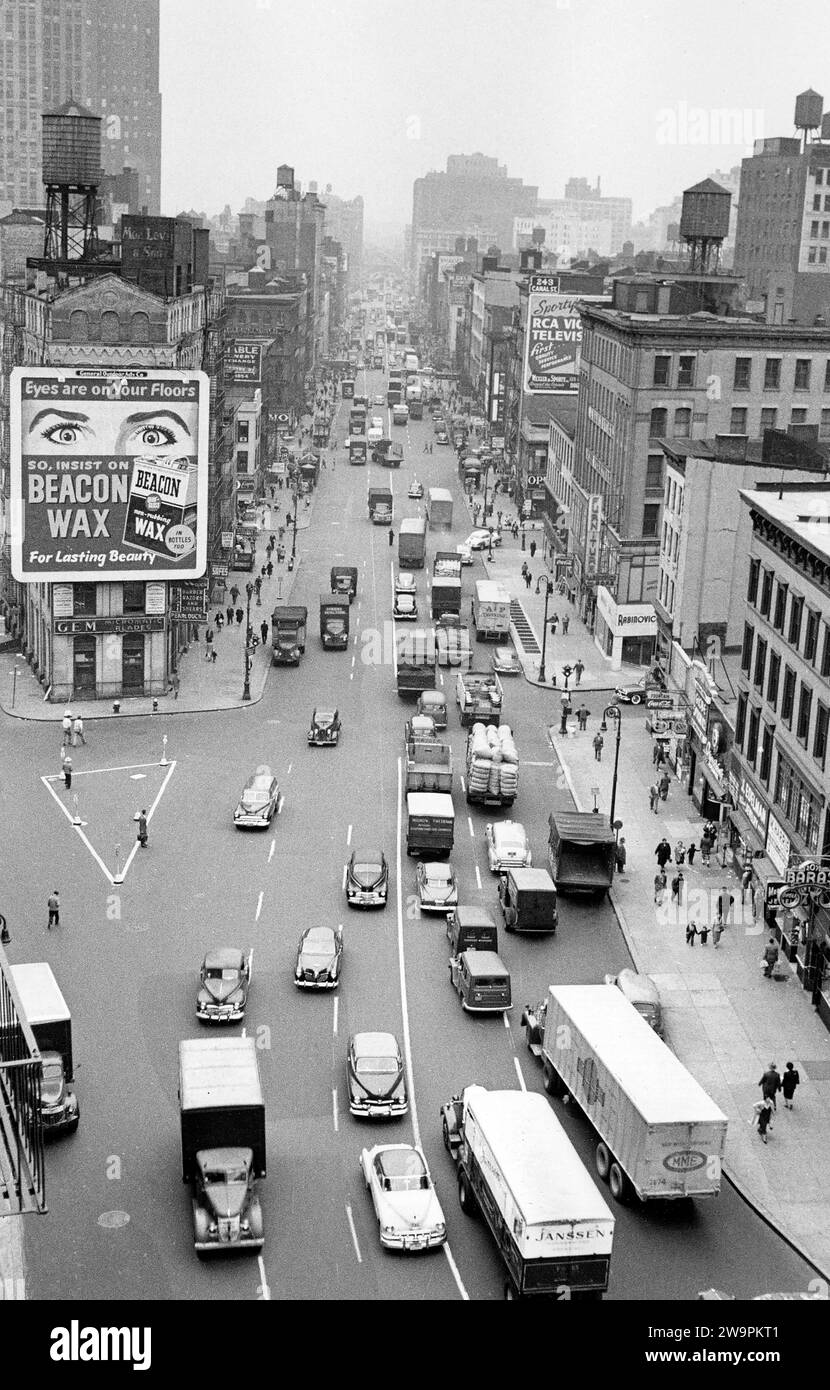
x=704, y=224
x=71, y=174
x=808, y=111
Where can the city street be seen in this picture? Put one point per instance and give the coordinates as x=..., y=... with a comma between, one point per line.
x=127, y=955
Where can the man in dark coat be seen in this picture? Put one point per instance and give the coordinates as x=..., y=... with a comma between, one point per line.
x=663, y=852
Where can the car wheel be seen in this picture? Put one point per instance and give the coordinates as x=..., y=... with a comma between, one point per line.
x=602, y=1158
x=636, y=699
x=466, y=1197
x=445, y=1134
x=551, y=1079
x=617, y=1182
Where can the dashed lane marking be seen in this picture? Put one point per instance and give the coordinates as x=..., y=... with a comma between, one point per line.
x=259, y=906
x=350, y=1220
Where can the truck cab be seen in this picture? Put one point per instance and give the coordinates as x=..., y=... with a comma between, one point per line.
x=225, y=1209
x=288, y=634
x=471, y=927
x=344, y=580
x=528, y=900
x=482, y=982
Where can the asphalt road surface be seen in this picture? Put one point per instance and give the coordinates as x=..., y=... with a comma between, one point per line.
x=127, y=957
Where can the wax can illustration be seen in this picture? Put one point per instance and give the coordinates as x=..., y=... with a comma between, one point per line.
x=161, y=506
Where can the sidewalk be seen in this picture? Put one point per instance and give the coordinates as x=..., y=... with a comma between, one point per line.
x=724, y=1019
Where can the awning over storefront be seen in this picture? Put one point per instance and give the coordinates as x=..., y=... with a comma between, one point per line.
x=745, y=829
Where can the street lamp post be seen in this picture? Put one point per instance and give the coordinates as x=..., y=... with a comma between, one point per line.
x=246, y=689
x=294, y=537
x=613, y=712
x=548, y=592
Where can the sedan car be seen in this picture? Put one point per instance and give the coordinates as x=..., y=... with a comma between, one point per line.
x=416, y=489
x=480, y=539
x=507, y=846
x=437, y=888
x=367, y=879
x=466, y=553
x=442, y=437
x=224, y=980
x=506, y=661
x=259, y=799
x=375, y=1076
x=319, y=957
x=405, y=584
x=409, y=1215
x=325, y=726
x=379, y=399
x=405, y=608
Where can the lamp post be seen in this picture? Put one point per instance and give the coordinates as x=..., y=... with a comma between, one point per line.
x=613, y=712
x=548, y=592
x=246, y=689
x=294, y=537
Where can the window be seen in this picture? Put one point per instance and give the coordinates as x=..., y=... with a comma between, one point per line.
x=766, y=755
x=820, y=735
x=743, y=370
x=751, y=750
x=788, y=697
x=772, y=682
x=766, y=594
x=760, y=663
x=651, y=516
x=822, y=255
x=140, y=328
x=84, y=598
x=814, y=229
x=802, y=374
x=242, y=431
x=798, y=416
x=827, y=375
x=752, y=586
x=740, y=718
x=654, y=473
x=825, y=654
x=780, y=607
x=133, y=600
x=824, y=425
x=683, y=422
x=816, y=202
x=746, y=649
x=811, y=635
x=686, y=372
x=78, y=326
x=662, y=365
x=737, y=420
x=110, y=327
x=659, y=422
x=796, y=610
x=772, y=374
x=769, y=416
x=805, y=705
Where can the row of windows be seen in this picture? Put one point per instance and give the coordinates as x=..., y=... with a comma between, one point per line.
x=790, y=697
x=742, y=372
x=84, y=598
x=818, y=206
x=759, y=594
x=792, y=797
x=666, y=592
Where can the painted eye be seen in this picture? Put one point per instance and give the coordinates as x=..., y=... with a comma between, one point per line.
x=62, y=433
x=153, y=435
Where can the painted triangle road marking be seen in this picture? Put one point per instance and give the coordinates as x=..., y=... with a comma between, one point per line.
x=115, y=800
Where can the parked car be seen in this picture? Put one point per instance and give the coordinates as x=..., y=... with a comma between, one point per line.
x=506, y=661
x=466, y=553
x=325, y=726
x=375, y=1078
x=405, y=583
x=416, y=489
x=405, y=608
x=367, y=879
x=408, y=1213
x=631, y=694
x=319, y=958
x=258, y=803
x=507, y=846
x=642, y=992
x=480, y=539
x=223, y=985
x=437, y=888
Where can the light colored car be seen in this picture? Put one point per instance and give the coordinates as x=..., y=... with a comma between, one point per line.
x=405, y=583
x=507, y=846
x=374, y=434
x=466, y=553
x=437, y=888
x=506, y=661
x=379, y=399
x=258, y=803
x=480, y=539
x=416, y=489
x=642, y=992
x=405, y=609
x=376, y=422
x=409, y=1215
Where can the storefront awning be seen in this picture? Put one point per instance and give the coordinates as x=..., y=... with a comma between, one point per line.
x=744, y=827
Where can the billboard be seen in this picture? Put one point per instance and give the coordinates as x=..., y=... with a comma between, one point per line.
x=553, y=337
x=243, y=363
x=109, y=474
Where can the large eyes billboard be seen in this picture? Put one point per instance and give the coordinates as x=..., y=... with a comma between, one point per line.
x=109, y=474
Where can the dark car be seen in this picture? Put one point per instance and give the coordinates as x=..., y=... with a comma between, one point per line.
x=325, y=726
x=375, y=1075
x=224, y=980
x=259, y=801
x=367, y=879
x=319, y=958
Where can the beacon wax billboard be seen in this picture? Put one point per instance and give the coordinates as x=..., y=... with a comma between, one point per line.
x=109, y=474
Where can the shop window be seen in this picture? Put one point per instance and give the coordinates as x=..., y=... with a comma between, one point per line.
x=805, y=705
x=820, y=735
x=743, y=370
x=752, y=586
x=133, y=598
x=811, y=635
x=760, y=663
x=796, y=611
x=751, y=751
x=84, y=600
x=766, y=594
x=746, y=649
x=788, y=697
x=772, y=682
x=780, y=607
x=766, y=755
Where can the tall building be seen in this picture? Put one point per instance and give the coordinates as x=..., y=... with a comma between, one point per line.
x=582, y=221
x=344, y=223
x=782, y=239
x=473, y=197
x=294, y=232
x=102, y=53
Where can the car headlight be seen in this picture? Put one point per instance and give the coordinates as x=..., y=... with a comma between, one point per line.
x=388, y=1229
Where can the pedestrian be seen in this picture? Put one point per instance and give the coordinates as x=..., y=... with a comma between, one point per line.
x=770, y=1084
x=746, y=883
x=692, y=853
x=391, y=535
x=209, y=644
x=563, y=721
x=653, y=798
x=680, y=853
x=578, y=669
x=677, y=888
x=262, y=572
x=258, y=587
x=691, y=933
x=174, y=684
x=234, y=592
x=582, y=715
x=566, y=622
x=598, y=744
x=705, y=850
x=703, y=933
x=528, y=579
x=656, y=753
x=663, y=786
x=263, y=627
x=770, y=959
x=532, y=543
x=273, y=492
x=789, y=1081
x=269, y=568
x=219, y=620
x=553, y=624
x=67, y=772
x=66, y=726
x=717, y=933
x=663, y=852
x=764, y=1121
x=239, y=616
x=280, y=554
x=78, y=731
x=621, y=854
x=725, y=902
x=659, y=886
x=54, y=906
x=229, y=614
x=141, y=817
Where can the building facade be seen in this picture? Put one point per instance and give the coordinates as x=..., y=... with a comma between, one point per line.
x=472, y=197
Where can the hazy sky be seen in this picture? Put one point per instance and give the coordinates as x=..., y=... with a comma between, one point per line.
x=369, y=94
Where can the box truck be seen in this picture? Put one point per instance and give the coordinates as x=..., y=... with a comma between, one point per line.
x=48, y=1016
x=412, y=543
x=491, y=611
x=439, y=509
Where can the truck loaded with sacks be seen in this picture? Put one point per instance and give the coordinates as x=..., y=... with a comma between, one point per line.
x=492, y=766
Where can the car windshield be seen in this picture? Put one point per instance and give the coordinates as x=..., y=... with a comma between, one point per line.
x=318, y=939
x=377, y=1066
x=53, y=1070
x=324, y=716
x=255, y=794
x=214, y=1176
x=366, y=868
x=404, y=1168
x=439, y=875
x=220, y=973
